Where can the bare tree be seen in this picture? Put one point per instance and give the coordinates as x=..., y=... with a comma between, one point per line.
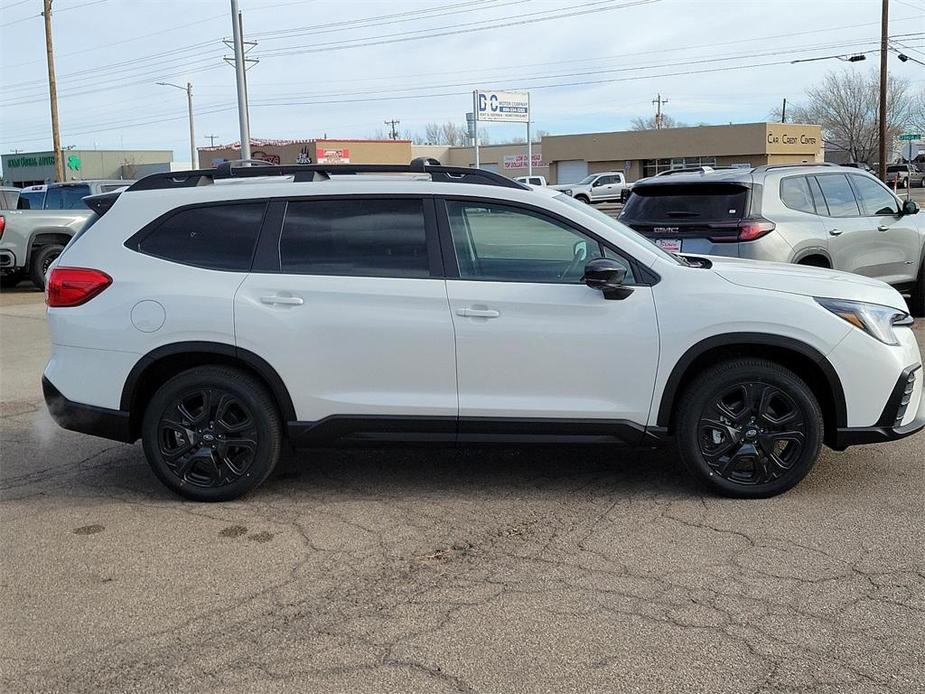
x=648, y=123
x=845, y=104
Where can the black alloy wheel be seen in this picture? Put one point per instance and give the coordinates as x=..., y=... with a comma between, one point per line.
x=212, y=433
x=752, y=433
x=207, y=437
x=748, y=428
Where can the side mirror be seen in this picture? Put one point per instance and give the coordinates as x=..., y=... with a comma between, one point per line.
x=910, y=207
x=608, y=276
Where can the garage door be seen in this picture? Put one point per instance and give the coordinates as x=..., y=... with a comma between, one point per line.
x=571, y=170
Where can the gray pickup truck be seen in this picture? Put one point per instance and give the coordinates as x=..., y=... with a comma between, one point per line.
x=30, y=239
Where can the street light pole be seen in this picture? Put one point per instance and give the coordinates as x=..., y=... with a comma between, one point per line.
x=884, y=49
x=193, y=154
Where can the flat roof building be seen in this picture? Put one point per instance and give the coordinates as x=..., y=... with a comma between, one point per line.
x=31, y=168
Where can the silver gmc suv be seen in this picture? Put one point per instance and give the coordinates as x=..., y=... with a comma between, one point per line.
x=809, y=214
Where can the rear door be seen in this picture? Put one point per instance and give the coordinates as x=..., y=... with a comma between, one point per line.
x=347, y=303
x=537, y=350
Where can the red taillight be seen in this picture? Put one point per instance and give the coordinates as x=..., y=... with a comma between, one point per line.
x=2, y=225
x=73, y=286
x=751, y=229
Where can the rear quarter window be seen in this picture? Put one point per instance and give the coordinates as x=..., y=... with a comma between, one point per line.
x=217, y=237
x=694, y=202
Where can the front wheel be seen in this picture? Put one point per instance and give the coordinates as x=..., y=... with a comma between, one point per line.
x=212, y=433
x=583, y=198
x=916, y=300
x=749, y=428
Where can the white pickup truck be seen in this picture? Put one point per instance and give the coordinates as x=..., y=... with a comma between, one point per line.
x=30, y=239
x=606, y=186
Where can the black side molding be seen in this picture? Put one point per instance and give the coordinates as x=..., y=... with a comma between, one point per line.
x=888, y=427
x=86, y=419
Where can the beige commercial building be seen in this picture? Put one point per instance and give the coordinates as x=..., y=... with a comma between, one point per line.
x=31, y=168
x=566, y=158
x=648, y=152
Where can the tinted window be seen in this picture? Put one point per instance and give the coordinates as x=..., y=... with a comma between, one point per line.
x=367, y=238
x=795, y=194
x=686, y=202
x=838, y=196
x=497, y=242
x=66, y=197
x=31, y=200
x=818, y=198
x=220, y=237
x=874, y=198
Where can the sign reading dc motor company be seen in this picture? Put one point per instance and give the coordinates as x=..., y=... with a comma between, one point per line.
x=502, y=107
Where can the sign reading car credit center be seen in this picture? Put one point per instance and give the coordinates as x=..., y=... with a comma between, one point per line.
x=502, y=107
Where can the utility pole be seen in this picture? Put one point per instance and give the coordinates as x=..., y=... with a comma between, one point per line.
x=884, y=49
x=53, y=93
x=393, y=135
x=243, y=120
x=659, y=101
x=783, y=111
x=211, y=139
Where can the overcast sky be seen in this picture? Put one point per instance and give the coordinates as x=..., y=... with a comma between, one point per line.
x=591, y=65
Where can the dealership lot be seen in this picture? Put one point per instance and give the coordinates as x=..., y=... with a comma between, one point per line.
x=577, y=569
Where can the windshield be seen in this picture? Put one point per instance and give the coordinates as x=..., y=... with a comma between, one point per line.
x=69, y=197
x=616, y=226
x=31, y=199
x=586, y=179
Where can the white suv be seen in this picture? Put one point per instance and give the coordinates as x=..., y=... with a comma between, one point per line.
x=607, y=186
x=218, y=315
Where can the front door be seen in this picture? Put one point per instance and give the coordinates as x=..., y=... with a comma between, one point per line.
x=352, y=313
x=536, y=348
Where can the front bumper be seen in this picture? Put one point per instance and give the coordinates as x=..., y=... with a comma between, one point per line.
x=86, y=419
x=903, y=415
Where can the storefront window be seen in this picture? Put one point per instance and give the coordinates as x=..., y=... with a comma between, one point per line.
x=650, y=167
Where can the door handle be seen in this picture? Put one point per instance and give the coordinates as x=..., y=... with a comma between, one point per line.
x=883, y=227
x=834, y=232
x=477, y=313
x=284, y=300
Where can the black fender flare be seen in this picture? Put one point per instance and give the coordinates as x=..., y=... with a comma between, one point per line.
x=258, y=364
x=670, y=392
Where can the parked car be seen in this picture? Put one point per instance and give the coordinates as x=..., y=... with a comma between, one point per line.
x=532, y=180
x=821, y=215
x=220, y=322
x=31, y=197
x=70, y=195
x=859, y=165
x=904, y=176
x=600, y=187
x=30, y=240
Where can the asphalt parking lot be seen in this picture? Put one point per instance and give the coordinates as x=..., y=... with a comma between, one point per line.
x=487, y=570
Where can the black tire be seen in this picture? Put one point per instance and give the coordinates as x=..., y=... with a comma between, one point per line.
x=727, y=435
x=41, y=259
x=11, y=280
x=189, y=445
x=583, y=198
x=916, y=300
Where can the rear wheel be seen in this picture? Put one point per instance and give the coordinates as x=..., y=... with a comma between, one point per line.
x=749, y=428
x=42, y=258
x=583, y=198
x=212, y=433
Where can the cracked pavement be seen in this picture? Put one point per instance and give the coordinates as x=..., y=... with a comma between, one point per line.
x=412, y=570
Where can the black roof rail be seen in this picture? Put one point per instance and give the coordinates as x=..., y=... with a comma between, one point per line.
x=768, y=167
x=316, y=172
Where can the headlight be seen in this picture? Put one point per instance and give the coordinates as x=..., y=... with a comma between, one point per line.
x=874, y=319
x=567, y=191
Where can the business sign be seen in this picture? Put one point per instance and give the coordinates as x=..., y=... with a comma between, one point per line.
x=502, y=107
x=519, y=161
x=910, y=136
x=30, y=161
x=332, y=156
